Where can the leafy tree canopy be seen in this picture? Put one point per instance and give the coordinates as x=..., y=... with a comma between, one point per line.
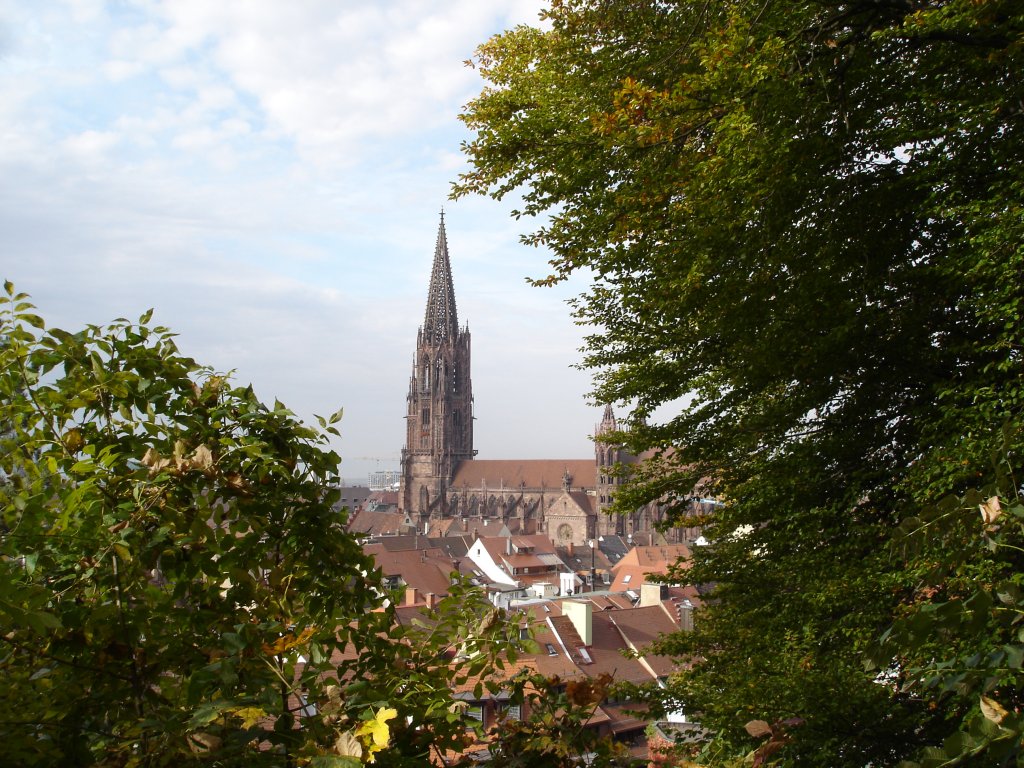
x=804, y=222
x=176, y=586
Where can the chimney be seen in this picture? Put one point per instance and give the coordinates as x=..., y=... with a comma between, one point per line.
x=410, y=595
x=686, y=616
x=572, y=553
x=652, y=594
x=431, y=600
x=581, y=614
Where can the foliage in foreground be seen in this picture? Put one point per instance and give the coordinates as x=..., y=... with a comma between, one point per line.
x=804, y=221
x=176, y=586
x=957, y=641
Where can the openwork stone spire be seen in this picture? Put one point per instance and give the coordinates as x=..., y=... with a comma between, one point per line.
x=439, y=408
x=441, y=323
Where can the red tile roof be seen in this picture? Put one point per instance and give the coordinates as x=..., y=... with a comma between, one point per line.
x=375, y=523
x=639, y=562
x=510, y=475
x=425, y=570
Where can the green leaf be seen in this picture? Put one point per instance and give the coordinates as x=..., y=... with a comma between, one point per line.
x=41, y=621
x=334, y=761
x=33, y=320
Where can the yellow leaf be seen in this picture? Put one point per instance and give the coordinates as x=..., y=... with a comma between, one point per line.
x=377, y=730
x=758, y=728
x=201, y=458
x=154, y=461
x=990, y=510
x=287, y=642
x=73, y=439
x=200, y=742
x=993, y=710
x=250, y=715
x=347, y=745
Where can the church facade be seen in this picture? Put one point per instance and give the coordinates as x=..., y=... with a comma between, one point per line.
x=441, y=478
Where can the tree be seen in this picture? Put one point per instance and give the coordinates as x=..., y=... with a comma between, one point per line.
x=956, y=641
x=176, y=585
x=804, y=226
x=557, y=733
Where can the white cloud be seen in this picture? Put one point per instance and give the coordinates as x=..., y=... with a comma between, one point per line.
x=268, y=176
x=90, y=145
x=331, y=74
x=122, y=69
x=83, y=11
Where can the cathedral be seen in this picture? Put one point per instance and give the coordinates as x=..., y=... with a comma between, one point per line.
x=441, y=478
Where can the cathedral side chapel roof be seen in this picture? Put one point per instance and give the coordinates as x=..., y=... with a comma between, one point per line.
x=585, y=502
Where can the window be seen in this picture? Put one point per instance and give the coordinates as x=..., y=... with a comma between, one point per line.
x=626, y=578
x=474, y=713
x=511, y=712
x=551, y=649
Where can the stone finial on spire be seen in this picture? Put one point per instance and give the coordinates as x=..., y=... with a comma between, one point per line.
x=441, y=322
x=608, y=423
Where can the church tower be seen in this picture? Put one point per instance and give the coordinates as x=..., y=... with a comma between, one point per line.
x=608, y=455
x=439, y=413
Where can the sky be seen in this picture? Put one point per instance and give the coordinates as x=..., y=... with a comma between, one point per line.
x=268, y=176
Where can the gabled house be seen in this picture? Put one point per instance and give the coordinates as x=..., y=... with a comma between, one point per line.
x=510, y=565
x=632, y=570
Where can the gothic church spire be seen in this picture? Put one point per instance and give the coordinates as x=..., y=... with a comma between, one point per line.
x=441, y=323
x=439, y=407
